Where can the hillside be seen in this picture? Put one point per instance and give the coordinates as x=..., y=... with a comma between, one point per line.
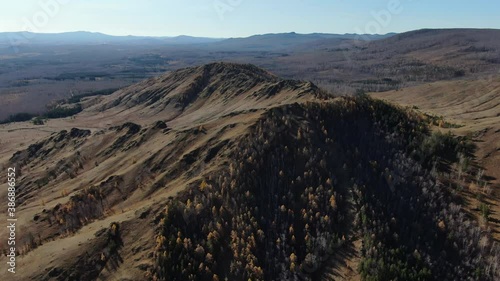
x=468, y=108
x=227, y=171
x=474, y=105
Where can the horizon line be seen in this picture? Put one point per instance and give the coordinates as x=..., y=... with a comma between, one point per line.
x=194, y=36
x=235, y=37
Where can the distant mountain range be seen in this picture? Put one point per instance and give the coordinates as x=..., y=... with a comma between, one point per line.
x=92, y=38
x=292, y=39
x=277, y=40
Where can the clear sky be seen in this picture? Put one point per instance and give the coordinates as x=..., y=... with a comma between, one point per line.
x=239, y=18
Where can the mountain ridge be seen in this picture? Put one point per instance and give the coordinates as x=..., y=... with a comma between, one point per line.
x=242, y=175
x=220, y=88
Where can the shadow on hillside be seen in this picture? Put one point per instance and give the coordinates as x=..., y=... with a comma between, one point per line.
x=337, y=267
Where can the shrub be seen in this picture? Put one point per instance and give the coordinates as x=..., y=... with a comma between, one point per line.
x=38, y=121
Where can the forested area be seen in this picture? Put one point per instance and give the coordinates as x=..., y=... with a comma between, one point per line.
x=283, y=206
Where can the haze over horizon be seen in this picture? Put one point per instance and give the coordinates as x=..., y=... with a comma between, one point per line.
x=223, y=18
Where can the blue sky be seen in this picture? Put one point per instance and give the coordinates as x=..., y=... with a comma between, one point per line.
x=238, y=18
